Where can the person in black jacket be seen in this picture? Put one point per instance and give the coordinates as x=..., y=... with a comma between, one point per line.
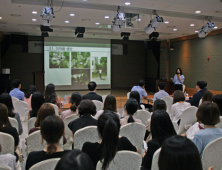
x=92, y=94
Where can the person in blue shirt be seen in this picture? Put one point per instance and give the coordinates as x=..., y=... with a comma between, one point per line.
x=209, y=115
x=140, y=89
x=178, y=79
x=16, y=92
x=161, y=93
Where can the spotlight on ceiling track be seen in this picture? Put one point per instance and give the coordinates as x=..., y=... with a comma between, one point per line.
x=207, y=28
x=125, y=35
x=45, y=30
x=119, y=21
x=153, y=36
x=79, y=32
x=45, y=34
x=154, y=23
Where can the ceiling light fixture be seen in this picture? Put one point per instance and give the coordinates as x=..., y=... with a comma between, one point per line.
x=0, y=17
x=174, y=29
x=67, y=22
x=197, y=12
x=138, y=19
x=215, y=27
x=191, y=25
x=106, y=17
x=34, y=12
x=166, y=22
x=196, y=31
x=72, y=15
x=34, y=20
x=127, y=3
x=97, y=23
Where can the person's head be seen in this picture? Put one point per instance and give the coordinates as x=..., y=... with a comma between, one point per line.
x=161, y=126
x=45, y=110
x=208, y=113
x=32, y=89
x=87, y=107
x=36, y=102
x=200, y=85
x=4, y=121
x=179, y=153
x=178, y=96
x=179, y=71
x=142, y=83
x=16, y=83
x=108, y=126
x=75, y=159
x=92, y=86
x=218, y=100
x=205, y=84
x=50, y=95
x=131, y=108
x=75, y=100
x=110, y=103
x=52, y=129
x=6, y=99
x=208, y=96
x=159, y=105
x=135, y=95
x=161, y=86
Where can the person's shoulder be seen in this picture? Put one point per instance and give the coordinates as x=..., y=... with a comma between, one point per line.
x=9, y=156
x=87, y=146
x=187, y=103
x=36, y=153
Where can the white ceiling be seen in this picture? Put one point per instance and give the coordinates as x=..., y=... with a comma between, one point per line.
x=180, y=13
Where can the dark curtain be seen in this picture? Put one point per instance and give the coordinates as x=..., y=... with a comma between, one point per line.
x=156, y=53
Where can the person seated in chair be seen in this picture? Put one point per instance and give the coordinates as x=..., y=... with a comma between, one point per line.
x=92, y=86
x=16, y=92
x=161, y=93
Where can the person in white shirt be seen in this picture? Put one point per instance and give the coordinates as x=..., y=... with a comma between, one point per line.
x=161, y=93
x=179, y=106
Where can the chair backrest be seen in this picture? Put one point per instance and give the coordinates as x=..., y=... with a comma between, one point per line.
x=2, y=167
x=188, y=118
x=143, y=115
x=200, y=102
x=176, y=127
x=48, y=164
x=104, y=98
x=34, y=142
x=56, y=109
x=31, y=123
x=86, y=134
x=212, y=155
x=184, y=87
x=219, y=125
x=128, y=95
x=169, y=102
x=22, y=108
x=14, y=99
x=14, y=123
x=135, y=133
x=8, y=144
x=98, y=104
x=155, y=159
x=124, y=160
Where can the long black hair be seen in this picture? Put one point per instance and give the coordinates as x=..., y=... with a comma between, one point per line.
x=131, y=108
x=108, y=127
x=136, y=95
x=6, y=99
x=75, y=100
x=179, y=153
x=161, y=126
x=110, y=103
x=32, y=89
x=36, y=102
x=180, y=71
x=50, y=95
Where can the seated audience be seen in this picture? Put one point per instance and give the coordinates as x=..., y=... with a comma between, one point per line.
x=16, y=92
x=208, y=114
x=179, y=153
x=161, y=93
x=51, y=97
x=109, y=104
x=75, y=101
x=7, y=100
x=86, y=109
x=179, y=106
x=8, y=160
x=208, y=96
x=140, y=89
x=131, y=107
x=6, y=127
x=92, y=86
x=105, y=150
x=28, y=96
x=36, y=102
x=161, y=129
x=218, y=100
x=194, y=101
x=52, y=129
x=75, y=159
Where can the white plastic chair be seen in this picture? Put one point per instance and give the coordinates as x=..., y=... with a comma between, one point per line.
x=219, y=125
x=169, y=101
x=31, y=123
x=22, y=108
x=56, y=109
x=8, y=144
x=200, y=102
x=188, y=118
x=14, y=123
x=176, y=127
x=124, y=160
x=2, y=167
x=212, y=155
x=104, y=98
x=155, y=159
x=14, y=99
x=98, y=104
x=143, y=115
x=86, y=134
x=68, y=132
x=135, y=132
x=128, y=95
x=48, y=164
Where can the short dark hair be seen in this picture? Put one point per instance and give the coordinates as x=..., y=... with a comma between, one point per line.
x=75, y=159
x=161, y=85
x=16, y=83
x=87, y=107
x=208, y=113
x=110, y=103
x=201, y=84
x=75, y=100
x=141, y=83
x=92, y=86
x=179, y=152
x=159, y=105
x=180, y=71
x=218, y=100
x=136, y=95
x=131, y=108
x=178, y=96
x=208, y=96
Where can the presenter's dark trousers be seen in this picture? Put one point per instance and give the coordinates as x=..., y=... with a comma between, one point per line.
x=178, y=87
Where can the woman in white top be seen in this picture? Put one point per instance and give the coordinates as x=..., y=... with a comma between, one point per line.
x=179, y=106
x=109, y=104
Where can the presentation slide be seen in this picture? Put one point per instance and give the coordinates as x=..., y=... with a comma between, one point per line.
x=71, y=63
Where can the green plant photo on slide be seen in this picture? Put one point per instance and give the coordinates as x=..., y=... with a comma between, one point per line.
x=58, y=59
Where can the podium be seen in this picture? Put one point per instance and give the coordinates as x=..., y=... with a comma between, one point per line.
x=38, y=81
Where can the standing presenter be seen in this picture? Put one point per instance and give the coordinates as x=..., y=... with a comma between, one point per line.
x=178, y=80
